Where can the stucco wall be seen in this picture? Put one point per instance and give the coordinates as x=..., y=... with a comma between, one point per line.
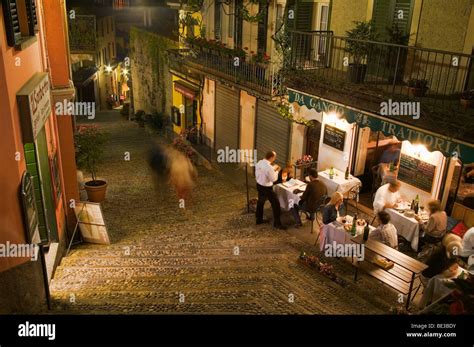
x=208, y=109
x=443, y=25
x=345, y=12
x=247, y=120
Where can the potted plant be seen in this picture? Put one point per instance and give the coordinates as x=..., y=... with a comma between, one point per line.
x=358, y=47
x=417, y=87
x=89, y=141
x=467, y=98
x=140, y=118
x=396, y=55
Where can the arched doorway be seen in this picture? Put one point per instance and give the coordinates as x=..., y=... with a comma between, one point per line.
x=313, y=137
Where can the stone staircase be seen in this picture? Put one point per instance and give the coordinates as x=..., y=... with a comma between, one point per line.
x=207, y=258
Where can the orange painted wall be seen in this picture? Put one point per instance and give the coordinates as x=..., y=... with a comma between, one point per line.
x=59, y=130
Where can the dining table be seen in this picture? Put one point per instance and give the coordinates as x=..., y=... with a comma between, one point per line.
x=407, y=227
x=335, y=232
x=286, y=195
x=338, y=183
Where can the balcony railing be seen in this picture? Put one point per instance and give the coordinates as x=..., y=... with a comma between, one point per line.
x=261, y=78
x=388, y=70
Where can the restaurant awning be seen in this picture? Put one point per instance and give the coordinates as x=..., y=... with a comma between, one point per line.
x=187, y=89
x=433, y=142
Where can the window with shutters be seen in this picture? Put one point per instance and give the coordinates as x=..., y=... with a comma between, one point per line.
x=32, y=17
x=21, y=21
x=231, y=18
x=12, y=22
x=390, y=14
x=217, y=19
x=262, y=26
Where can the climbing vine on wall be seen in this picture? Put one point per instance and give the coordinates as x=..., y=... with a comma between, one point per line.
x=151, y=53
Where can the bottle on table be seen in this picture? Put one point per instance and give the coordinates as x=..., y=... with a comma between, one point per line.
x=354, y=226
x=346, y=175
x=391, y=167
x=331, y=172
x=366, y=231
x=417, y=204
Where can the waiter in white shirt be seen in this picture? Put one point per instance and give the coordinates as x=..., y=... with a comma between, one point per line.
x=387, y=196
x=266, y=173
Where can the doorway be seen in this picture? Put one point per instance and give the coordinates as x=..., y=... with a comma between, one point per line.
x=313, y=138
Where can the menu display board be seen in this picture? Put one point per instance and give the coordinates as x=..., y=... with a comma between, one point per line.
x=334, y=137
x=417, y=173
x=91, y=223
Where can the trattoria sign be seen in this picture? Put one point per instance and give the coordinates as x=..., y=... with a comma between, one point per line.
x=432, y=141
x=34, y=103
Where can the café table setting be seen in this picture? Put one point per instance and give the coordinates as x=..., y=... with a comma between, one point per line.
x=285, y=193
x=339, y=231
x=403, y=218
x=338, y=183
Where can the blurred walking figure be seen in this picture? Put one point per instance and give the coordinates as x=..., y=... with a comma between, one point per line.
x=173, y=167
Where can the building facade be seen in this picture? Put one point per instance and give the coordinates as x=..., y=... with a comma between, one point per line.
x=39, y=174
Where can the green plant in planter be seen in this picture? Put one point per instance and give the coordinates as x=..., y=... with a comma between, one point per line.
x=159, y=120
x=417, y=87
x=396, y=55
x=89, y=142
x=358, y=47
x=140, y=117
x=468, y=95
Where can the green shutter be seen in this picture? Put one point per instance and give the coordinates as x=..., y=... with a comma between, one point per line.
x=32, y=168
x=304, y=16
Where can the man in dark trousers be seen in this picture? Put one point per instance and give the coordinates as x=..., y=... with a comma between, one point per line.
x=266, y=173
x=311, y=197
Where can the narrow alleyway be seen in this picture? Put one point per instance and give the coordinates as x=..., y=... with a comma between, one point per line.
x=208, y=258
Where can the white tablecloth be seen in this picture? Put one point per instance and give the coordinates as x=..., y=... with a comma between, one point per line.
x=335, y=232
x=338, y=183
x=285, y=195
x=437, y=287
x=406, y=227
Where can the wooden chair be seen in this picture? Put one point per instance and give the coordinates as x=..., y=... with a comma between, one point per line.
x=352, y=194
x=312, y=215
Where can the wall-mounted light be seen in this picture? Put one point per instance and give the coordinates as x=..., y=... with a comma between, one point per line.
x=108, y=68
x=125, y=71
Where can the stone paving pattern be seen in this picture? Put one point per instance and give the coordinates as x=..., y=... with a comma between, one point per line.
x=164, y=259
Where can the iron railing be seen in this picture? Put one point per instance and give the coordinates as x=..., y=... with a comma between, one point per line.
x=262, y=78
x=385, y=67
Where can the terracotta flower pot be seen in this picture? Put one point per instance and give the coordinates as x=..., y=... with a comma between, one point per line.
x=96, y=190
x=417, y=92
x=466, y=103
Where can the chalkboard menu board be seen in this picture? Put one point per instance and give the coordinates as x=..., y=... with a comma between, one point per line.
x=30, y=214
x=416, y=172
x=334, y=137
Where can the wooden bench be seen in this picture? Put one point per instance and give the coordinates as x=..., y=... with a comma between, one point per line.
x=401, y=276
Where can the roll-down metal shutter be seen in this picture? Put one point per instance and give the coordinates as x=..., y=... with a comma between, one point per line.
x=273, y=133
x=227, y=117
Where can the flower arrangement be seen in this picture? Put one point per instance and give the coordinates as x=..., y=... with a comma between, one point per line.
x=304, y=160
x=324, y=268
x=180, y=143
x=260, y=58
x=216, y=46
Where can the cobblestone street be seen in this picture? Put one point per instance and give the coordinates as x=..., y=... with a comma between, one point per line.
x=185, y=261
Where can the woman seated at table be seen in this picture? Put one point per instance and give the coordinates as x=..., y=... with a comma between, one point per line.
x=437, y=224
x=334, y=208
x=386, y=231
x=284, y=175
